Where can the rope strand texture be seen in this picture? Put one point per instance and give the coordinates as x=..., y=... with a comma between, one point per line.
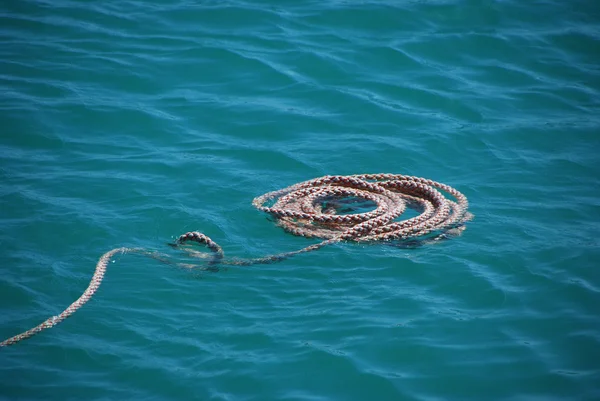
x=309, y=209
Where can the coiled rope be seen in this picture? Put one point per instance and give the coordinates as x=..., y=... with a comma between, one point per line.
x=310, y=209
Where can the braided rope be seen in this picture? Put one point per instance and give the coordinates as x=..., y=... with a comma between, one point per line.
x=309, y=209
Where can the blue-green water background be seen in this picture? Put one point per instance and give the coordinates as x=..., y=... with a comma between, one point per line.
x=126, y=123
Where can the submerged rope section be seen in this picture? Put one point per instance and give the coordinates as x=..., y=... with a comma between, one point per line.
x=312, y=209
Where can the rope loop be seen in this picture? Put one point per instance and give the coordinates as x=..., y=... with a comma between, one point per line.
x=332, y=208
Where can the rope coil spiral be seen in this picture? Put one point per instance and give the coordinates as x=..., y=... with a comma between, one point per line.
x=310, y=209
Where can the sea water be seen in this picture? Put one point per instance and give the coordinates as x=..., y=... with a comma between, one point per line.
x=127, y=123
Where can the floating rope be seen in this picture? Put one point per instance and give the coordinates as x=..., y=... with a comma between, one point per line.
x=312, y=209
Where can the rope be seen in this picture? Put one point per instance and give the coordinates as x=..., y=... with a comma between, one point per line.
x=310, y=209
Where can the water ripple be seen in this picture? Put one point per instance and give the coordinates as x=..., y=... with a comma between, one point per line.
x=126, y=124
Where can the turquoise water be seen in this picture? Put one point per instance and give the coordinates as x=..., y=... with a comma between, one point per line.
x=127, y=123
